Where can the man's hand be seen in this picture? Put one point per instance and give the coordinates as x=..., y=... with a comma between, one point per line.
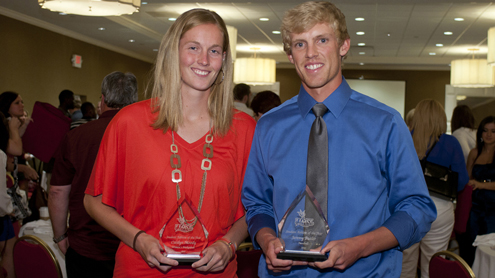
x=271, y=246
x=63, y=245
x=343, y=253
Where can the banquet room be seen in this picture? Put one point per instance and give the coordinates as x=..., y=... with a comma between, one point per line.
x=401, y=52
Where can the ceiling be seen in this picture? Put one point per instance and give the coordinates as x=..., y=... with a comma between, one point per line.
x=399, y=34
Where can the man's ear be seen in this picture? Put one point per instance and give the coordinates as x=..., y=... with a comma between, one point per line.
x=344, y=48
x=290, y=58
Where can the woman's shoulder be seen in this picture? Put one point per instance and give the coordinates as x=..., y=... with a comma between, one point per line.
x=135, y=111
x=243, y=122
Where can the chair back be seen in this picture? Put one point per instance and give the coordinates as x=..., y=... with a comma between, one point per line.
x=443, y=267
x=463, y=209
x=33, y=258
x=247, y=261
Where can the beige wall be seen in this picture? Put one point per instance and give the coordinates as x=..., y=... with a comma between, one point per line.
x=419, y=84
x=36, y=63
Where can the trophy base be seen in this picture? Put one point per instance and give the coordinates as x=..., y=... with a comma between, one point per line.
x=184, y=259
x=308, y=256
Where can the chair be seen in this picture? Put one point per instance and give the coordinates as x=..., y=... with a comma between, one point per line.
x=33, y=258
x=456, y=268
x=247, y=261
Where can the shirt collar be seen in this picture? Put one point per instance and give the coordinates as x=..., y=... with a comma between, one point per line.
x=109, y=113
x=335, y=102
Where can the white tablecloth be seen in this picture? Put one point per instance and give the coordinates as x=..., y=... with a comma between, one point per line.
x=43, y=230
x=484, y=262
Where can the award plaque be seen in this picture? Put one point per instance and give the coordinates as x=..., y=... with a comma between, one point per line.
x=303, y=227
x=184, y=233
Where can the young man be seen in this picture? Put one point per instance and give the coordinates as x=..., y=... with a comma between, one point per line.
x=376, y=200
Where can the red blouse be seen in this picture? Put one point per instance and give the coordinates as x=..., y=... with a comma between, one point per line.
x=134, y=174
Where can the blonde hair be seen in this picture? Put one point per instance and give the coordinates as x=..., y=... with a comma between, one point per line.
x=428, y=123
x=166, y=91
x=305, y=16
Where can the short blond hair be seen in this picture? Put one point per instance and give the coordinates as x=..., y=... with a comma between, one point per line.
x=305, y=16
x=166, y=91
x=428, y=123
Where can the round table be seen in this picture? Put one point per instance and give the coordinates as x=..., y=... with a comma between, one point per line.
x=484, y=262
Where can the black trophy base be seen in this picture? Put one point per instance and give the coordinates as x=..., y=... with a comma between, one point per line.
x=184, y=259
x=308, y=256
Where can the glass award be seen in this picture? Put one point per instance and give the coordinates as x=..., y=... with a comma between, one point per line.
x=303, y=227
x=184, y=233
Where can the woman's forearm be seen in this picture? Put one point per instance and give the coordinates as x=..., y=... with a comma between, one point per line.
x=238, y=233
x=110, y=219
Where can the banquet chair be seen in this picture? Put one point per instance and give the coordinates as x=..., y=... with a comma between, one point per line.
x=444, y=267
x=247, y=261
x=33, y=258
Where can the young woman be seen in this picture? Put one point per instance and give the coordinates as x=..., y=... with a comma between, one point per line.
x=428, y=128
x=481, y=170
x=177, y=161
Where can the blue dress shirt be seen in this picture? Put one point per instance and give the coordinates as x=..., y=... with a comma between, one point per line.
x=374, y=177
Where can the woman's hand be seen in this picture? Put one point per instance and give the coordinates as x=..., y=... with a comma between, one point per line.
x=14, y=123
x=153, y=253
x=215, y=257
x=28, y=172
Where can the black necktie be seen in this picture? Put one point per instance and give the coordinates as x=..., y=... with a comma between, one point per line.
x=317, y=168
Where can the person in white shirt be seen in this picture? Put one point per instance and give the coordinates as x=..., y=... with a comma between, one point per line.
x=241, y=97
x=463, y=128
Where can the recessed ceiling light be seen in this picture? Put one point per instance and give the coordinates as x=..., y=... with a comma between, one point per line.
x=360, y=33
x=101, y=29
x=448, y=33
x=359, y=19
x=62, y=13
x=144, y=3
x=362, y=53
x=156, y=49
x=361, y=64
x=439, y=45
x=276, y=32
x=388, y=35
x=131, y=40
x=459, y=19
x=432, y=53
x=172, y=19
x=361, y=44
x=264, y=19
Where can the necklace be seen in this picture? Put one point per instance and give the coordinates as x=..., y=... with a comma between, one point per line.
x=185, y=225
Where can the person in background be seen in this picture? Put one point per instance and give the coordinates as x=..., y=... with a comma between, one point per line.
x=377, y=201
x=409, y=118
x=186, y=141
x=481, y=168
x=66, y=100
x=76, y=113
x=463, y=129
x=12, y=107
x=7, y=234
x=241, y=98
x=263, y=102
x=89, y=114
x=429, y=125
x=89, y=249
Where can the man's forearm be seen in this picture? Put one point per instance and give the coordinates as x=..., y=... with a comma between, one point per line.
x=58, y=206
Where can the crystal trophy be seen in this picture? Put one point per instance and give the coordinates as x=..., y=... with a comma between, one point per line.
x=184, y=233
x=303, y=227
